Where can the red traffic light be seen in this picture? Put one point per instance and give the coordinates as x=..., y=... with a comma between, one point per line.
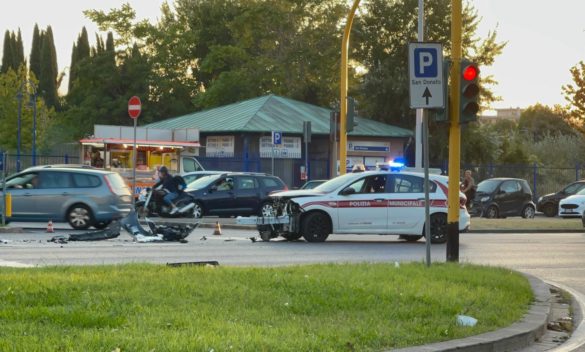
x=470, y=72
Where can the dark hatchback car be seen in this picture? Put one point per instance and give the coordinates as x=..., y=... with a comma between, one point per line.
x=549, y=204
x=235, y=194
x=502, y=197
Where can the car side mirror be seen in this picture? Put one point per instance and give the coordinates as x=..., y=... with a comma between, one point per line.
x=347, y=191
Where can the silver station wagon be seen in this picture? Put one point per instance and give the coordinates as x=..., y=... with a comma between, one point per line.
x=82, y=197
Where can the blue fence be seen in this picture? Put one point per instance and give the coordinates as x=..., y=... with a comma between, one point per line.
x=13, y=163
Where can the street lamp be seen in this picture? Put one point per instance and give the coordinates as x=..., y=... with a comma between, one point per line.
x=19, y=98
x=33, y=101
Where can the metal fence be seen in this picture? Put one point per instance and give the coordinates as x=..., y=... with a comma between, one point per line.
x=11, y=161
x=542, y=179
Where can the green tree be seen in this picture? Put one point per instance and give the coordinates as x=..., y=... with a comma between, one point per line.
x=81, y=51
x=7, y=56
x=35, y=53
x=539, y=120
x=19, y=50
x=575, y=94
x=48, y=74
x=11, y=83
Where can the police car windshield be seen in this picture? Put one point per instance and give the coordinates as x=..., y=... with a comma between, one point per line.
x=333, y=184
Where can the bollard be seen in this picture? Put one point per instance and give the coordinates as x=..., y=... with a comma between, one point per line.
x=8, y=205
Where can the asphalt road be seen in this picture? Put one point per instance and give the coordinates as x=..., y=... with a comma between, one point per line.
x=556, y=257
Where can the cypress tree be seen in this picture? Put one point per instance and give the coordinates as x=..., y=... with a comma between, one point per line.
x=35, y=53
x=83, y=48
x=48, y=76
x=7, y=53
x=18, y=50
x=53, y=51
x=73, y=67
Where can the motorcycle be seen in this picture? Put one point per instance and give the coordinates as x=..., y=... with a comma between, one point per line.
x=150, y=203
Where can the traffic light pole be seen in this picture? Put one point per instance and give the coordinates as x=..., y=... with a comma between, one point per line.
x=344, y=84
x=454, y=136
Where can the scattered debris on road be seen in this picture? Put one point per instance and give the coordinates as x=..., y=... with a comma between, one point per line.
x=112, y=231
x=230, y=239
x=161, y=232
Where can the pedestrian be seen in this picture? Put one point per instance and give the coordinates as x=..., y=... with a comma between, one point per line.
x=468, y=187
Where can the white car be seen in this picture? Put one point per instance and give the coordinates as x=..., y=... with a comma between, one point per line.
x=372, y=202
x=572, y=206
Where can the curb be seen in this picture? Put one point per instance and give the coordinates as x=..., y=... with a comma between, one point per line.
x=577, y=339
x=527, y=231
x=9, y=229
x=519, y=335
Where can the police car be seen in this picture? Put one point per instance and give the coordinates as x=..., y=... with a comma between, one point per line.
x=370, y=202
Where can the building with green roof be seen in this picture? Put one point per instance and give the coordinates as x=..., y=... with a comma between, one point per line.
x=243, y=131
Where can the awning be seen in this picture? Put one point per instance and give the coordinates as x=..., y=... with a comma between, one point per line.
x=141, y=142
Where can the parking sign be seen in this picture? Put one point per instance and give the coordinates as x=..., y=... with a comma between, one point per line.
x=276, y=138
x=425, y=63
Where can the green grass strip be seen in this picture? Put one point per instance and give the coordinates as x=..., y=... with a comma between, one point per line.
x=334, y=307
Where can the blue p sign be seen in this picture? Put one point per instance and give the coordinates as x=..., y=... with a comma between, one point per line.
x=276, y=138
x=425, y=62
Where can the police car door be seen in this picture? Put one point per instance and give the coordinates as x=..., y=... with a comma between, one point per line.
x=364, y=207
x=406, y=203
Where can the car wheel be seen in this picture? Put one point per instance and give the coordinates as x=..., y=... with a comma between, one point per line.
x=528, y=212
x=411, y=238
x=316, y=227
x=491, y=212
x=198, y=210
x=101, y=224
x=550, y=210
x=266, y=210
x=291, y=236
x=438, y=228
x=79, y=217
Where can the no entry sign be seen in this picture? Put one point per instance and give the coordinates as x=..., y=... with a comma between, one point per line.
x=134, y=107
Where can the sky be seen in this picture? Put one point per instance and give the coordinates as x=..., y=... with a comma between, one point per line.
x=545, y=39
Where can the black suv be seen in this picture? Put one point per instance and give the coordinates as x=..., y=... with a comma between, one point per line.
x=549, y=204
x=502, y=197
x=235, y=194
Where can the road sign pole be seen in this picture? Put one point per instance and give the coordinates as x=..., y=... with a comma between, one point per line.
x=272, y=159
x=454, y=136
x=135, y=152
x=419, y=112
x=425, y=127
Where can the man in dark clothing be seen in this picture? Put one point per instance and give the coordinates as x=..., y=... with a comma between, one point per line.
x=170, y=184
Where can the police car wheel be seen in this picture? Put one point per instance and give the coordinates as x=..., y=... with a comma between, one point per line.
x=411, y=238
x=291, y=236
x=316, y=227
x=439, y=228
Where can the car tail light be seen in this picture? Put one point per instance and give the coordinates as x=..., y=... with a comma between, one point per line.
x=109, y=186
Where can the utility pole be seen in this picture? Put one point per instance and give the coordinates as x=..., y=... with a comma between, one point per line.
x=418, y=135
x=454, y=136
x=344, y=83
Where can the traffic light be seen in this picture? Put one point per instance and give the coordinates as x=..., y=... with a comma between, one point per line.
x=352, y=106
x=469, y=98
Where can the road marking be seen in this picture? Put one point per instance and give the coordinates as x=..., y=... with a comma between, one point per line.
x=10, y=264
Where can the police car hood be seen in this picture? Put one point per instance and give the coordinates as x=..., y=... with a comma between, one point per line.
x=297, y=193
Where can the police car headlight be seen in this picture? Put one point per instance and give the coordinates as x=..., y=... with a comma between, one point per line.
x=485, y=199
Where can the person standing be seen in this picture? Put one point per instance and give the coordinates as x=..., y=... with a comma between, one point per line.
x=468, y=187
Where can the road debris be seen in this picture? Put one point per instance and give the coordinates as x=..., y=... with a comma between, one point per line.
x=465, y=320
x=200, y=263
x=157, y=232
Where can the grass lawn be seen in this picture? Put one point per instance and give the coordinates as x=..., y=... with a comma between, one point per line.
x=357, y=307
x=518, y=223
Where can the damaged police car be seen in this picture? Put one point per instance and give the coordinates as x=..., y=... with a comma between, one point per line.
x=372, y=202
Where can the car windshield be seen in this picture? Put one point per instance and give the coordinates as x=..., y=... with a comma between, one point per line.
x=487, y=186
x=334, y=184
x=202, y=182
x=581, y=192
